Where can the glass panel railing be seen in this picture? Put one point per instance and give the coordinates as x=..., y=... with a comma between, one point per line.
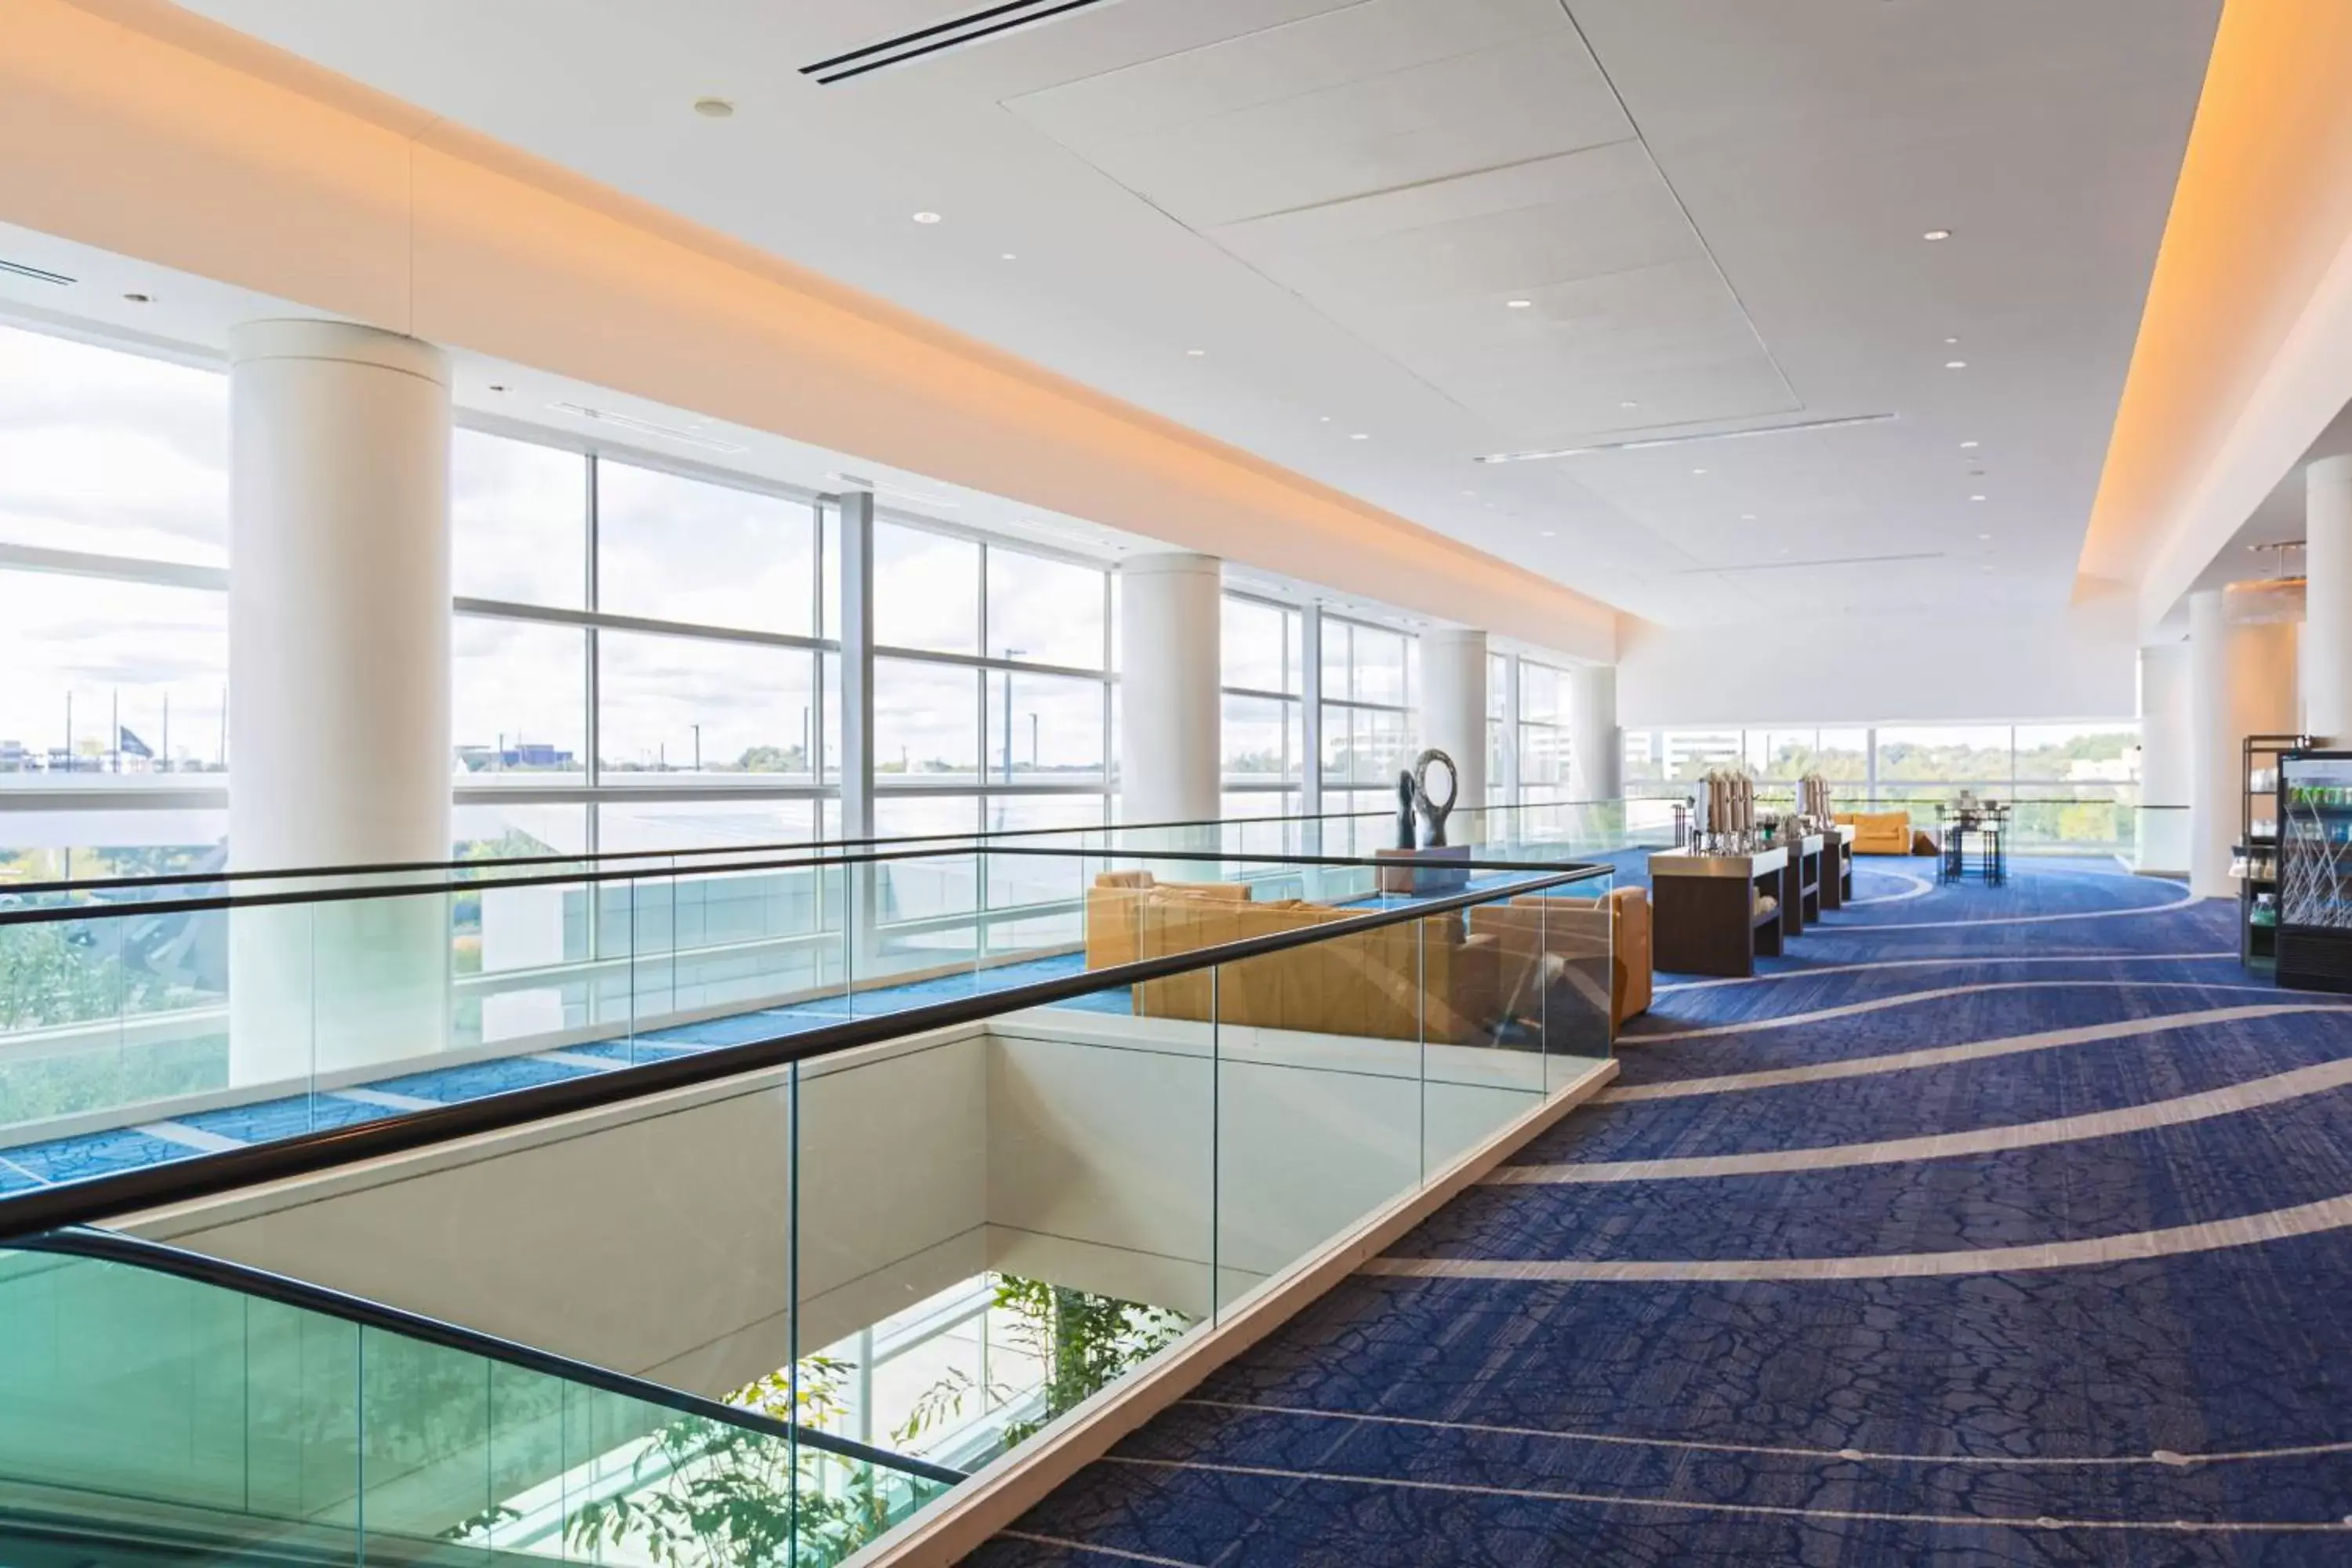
x=996, y=1188
x=141, y=1035
x=145, y=1413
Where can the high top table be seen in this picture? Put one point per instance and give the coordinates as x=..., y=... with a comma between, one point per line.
x=1837, y=867
x=1705, y=914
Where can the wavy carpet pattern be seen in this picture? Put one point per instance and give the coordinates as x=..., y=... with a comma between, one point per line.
x=1990, y=1225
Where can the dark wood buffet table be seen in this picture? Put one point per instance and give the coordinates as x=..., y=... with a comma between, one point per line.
x=1837, y=867
x=1707, y=917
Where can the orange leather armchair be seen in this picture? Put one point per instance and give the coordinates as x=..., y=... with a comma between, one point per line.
x=1879, y=832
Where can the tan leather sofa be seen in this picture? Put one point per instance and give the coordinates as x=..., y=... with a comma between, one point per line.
x=1577, y=936
x=1372, y=984
x=1879, y=832
x=1479, y=975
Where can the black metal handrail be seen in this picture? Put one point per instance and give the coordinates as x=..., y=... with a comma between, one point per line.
x=392, y=868
x=43, y=914
x=211, y=1174
x=138, y=1252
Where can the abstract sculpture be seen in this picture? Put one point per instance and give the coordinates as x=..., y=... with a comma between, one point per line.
x=1405, y=792
x=1433, y=812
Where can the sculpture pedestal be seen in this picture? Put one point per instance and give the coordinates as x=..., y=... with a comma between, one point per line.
x=1424, y=872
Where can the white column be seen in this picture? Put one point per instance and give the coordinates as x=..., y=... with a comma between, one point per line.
x=2241, y=682
x=2167, y=758
x=1453, y=717
x=339, y=688
x=1596, y=746
x=2327, y=628
x=1171, y=661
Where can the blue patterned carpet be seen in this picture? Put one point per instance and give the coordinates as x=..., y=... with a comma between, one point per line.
x=1741, y=1309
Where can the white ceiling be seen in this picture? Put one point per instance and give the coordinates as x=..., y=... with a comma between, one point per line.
x=1714, y=208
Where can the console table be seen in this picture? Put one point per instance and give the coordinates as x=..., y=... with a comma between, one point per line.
x=1706, y=916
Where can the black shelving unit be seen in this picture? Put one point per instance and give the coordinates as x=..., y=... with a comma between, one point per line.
x=2258, y=945
x=2313, y=940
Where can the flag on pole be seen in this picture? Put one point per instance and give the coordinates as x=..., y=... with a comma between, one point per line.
x=131, y=745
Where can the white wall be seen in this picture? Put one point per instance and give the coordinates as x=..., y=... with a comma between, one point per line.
x=2079, y=663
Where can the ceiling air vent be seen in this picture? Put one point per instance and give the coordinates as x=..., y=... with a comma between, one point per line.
x=38, y=275
x=952, y=34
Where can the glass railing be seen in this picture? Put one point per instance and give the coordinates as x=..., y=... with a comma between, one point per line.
x=930, y=1189
x=216, y=1019
x=2056, y=819
x=160, y=1405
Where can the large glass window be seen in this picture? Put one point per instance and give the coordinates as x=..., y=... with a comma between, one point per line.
x=111, y=453
x=519, y=520
x=1045, y=612
x=519, y=700
x=674, y=549
x=1264, y=735
x=927, y=590
x=1543, y=733
x=102, y=677
x=1044, y=729
x=1367, y=714
x=926, y=723
x=718, y=711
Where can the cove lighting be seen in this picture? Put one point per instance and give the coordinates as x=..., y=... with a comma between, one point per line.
x=646, y=427
x=1647, y=444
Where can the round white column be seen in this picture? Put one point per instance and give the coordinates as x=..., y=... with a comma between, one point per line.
x=1170, y=667
x=338, y=688
x=2327, y=626
x=1596, y=761
x=2242, y=682
x=2168, y=759
x=1454, y=719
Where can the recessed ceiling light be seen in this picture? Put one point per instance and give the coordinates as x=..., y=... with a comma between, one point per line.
x=1748, y=517
x=140, y=298
x=1194, y=354
x=1951, y=341
x=1469, y=492
x=1520, y=304
x=1008, y=256
x=1976, y=497
x=1698, y=471
x=927, y=217
x=1327, y=419
x=1551, y=534
x=713, y=108
x=1934, y=235
x=1969, y=445
x=1984, y=536
x=1629, y=403
x=1360, y=436
x=1955, y=364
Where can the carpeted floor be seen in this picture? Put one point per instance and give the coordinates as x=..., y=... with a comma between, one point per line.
x=2006, y=1225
